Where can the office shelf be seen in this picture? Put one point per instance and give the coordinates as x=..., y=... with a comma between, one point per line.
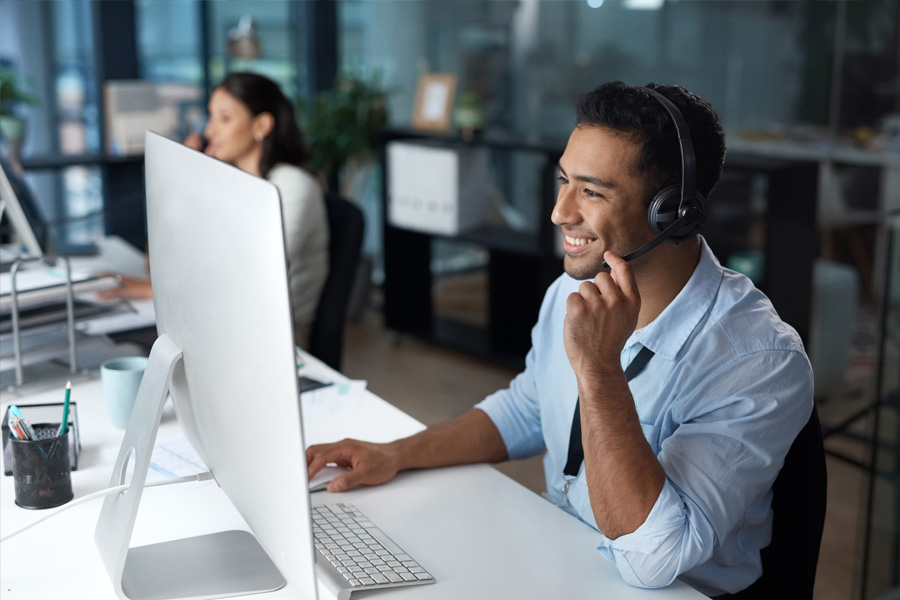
x=62, y=161
x=520, y=261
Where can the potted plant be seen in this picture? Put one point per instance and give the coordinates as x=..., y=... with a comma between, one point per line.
x=14, y=93
x=469, y=115
x=341, y=127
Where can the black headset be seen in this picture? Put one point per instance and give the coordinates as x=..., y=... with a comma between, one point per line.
x=676, y=211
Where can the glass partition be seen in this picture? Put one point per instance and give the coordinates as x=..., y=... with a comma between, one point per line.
x=77, y=105
x=169, y=38
x=276, y=49
x=51, y=46
x=881, y=560
x=761, y=64
x=773, y=70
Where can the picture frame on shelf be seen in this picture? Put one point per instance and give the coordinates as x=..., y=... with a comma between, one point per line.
x=435, y=97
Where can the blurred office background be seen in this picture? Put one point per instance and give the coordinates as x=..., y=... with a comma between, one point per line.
x=806, y=87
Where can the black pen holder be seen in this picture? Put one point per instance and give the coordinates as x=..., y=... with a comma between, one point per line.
x=44, y=419
x=41, y=471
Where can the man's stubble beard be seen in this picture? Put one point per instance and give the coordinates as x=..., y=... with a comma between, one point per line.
x=582, y=270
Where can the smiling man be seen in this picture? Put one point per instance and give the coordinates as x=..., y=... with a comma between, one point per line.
x=663, y=388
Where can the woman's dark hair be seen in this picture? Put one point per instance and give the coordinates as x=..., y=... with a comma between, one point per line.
x=631, y=111
x=259, y=94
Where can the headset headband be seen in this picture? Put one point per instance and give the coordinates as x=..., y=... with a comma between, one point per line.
x=688, y=162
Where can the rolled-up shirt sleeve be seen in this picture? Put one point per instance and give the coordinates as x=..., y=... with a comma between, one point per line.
x=516, y=411
x=718, y=464
x=516, y=414
x=638, y=555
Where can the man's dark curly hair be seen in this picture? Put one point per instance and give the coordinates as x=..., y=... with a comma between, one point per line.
x=631, y=111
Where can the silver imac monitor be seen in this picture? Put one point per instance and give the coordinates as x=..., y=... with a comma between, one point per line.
x=225, y=352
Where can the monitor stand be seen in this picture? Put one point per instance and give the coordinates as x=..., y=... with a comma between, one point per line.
x=216, y=565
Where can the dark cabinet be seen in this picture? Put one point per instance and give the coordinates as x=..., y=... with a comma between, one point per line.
x=512, y=260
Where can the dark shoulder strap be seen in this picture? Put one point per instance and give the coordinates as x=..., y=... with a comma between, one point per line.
x=576, y=450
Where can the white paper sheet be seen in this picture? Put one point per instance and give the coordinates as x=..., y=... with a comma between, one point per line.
x=338, y=400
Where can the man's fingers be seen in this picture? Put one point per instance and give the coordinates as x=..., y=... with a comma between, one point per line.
x=319, y=456
x=315, y=465
x=344, y=482
x=621, y=274
x=588, y=289
x=576, y=303
x=368, y=463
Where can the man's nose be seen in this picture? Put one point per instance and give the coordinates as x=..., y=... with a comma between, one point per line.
x=565, y=210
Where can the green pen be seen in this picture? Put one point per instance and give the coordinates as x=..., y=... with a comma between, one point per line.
x=64, y=427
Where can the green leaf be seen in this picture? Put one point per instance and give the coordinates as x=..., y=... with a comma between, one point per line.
x=342, y=124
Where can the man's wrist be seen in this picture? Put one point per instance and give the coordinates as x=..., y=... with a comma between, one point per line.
x=596, y=375
x=399, y=451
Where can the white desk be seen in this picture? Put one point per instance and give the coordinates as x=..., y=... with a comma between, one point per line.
x=461, y=523
x=116, y=255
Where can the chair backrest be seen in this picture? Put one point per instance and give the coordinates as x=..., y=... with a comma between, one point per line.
x=789, y=561
x=347, y=225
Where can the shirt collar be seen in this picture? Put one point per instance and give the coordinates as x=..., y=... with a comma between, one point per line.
x=670, y=330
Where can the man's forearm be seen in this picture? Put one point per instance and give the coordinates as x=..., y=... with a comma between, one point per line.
x=624, y=477
x=470, y=438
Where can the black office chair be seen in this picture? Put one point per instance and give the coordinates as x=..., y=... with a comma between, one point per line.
x=789, y=561
x=347, y=224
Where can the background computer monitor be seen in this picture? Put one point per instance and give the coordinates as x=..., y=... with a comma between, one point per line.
x=226, y=354
x=22, y=212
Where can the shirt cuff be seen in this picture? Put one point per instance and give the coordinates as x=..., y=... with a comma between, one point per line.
x=667, y=516
x=521, y=436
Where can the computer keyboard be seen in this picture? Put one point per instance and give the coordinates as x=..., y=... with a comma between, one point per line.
x=356, y=555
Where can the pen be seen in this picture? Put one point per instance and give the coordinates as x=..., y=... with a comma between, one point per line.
x=64, y=427
x=22, y=423
x=14, y=430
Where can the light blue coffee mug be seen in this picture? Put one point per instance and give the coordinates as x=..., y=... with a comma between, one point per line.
x=121, y=379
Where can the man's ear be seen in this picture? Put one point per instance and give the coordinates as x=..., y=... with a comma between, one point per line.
x=263, y=123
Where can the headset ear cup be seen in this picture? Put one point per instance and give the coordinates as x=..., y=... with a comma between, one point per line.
x=663, y=209
x=697, y=217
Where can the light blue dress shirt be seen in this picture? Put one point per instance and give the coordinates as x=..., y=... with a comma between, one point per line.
x=720, y=402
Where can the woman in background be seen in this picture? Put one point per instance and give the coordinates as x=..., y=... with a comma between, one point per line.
x=252, y=126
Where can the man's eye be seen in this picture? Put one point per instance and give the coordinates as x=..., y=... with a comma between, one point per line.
x=562, y=179
x=591, y=193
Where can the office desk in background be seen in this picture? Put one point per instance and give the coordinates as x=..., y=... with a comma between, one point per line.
x=480, y=534
x=45, y=344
